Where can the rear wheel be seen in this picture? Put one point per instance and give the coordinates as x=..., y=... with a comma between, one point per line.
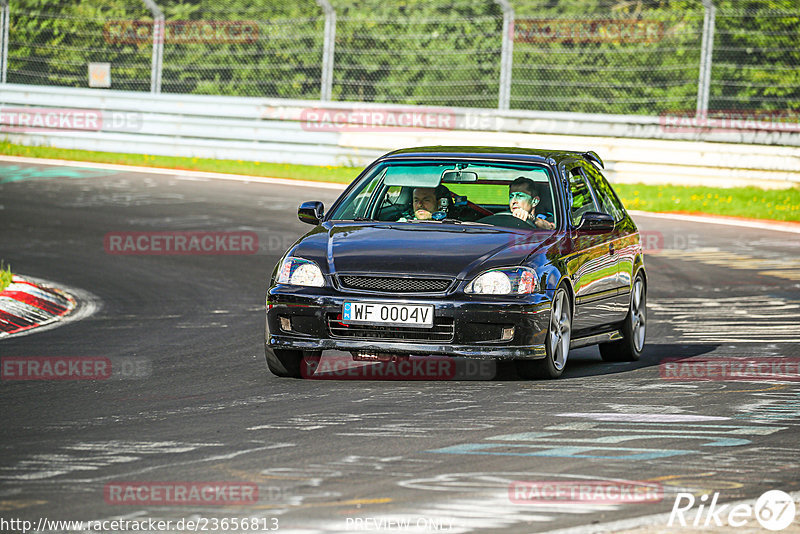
x=284, y=363
x=630, y=347
x=559, y=331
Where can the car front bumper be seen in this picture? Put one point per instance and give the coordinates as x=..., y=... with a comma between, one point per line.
x=478, y=324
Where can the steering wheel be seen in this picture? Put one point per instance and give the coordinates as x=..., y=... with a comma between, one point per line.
x=479, y=209
x=507, y=220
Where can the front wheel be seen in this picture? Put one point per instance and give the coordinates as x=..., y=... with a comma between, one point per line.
x=559, y=331
x=630, y=347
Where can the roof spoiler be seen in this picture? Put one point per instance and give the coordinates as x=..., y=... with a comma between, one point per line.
x=594, y=158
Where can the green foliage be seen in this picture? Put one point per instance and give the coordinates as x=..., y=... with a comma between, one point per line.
x=441, y=53
x=757, y=55
x=52, y=42
x=5, y=275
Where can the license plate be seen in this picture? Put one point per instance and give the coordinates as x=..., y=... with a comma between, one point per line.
x=378, y=313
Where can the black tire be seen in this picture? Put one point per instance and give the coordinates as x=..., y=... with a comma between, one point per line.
x=559, y=332
x=629, y=348
x=284, y=363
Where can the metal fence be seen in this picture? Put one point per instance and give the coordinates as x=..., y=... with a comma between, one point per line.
x=642, y=57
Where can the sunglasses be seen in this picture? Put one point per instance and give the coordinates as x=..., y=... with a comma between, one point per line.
x=519, y=195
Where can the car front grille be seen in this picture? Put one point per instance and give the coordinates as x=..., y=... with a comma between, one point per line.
x=442, y=331
x=392, y=284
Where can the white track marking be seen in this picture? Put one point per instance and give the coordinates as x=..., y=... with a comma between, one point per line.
x=746, y=319
x=180, y=174
x=710, y=219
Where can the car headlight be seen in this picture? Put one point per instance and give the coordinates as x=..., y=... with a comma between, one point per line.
x=300, y=272
x=510, y=281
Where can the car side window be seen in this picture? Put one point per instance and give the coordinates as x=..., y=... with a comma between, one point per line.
x=605, y=195
x=396, y=200
x=361, y=202
x=581, y=200
x=358, y=200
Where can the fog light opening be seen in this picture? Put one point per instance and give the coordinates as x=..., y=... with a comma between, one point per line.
x=286, y=323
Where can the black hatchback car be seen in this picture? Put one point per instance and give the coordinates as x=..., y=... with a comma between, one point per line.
x=479, y=252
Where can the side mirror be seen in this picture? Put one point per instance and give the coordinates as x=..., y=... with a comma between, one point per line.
x=311, y=212
x=594, y=221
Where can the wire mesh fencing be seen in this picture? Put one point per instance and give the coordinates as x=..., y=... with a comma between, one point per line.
x=640, y=57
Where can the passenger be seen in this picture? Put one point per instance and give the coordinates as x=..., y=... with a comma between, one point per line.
x=425, y=202
x=522, y=200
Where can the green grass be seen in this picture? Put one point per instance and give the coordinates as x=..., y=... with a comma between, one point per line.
x=252, y=168
x=750, y=202
x=5, y=276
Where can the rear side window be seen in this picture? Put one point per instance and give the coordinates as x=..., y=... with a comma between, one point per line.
x=605, y=195
x=581, y=200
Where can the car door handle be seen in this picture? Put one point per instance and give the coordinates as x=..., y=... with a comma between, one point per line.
x=611, y=249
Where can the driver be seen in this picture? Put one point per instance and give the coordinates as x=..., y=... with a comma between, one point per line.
x=522, y=201
x=426, y=201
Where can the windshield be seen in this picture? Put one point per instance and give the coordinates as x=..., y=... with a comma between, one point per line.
x=453, y=191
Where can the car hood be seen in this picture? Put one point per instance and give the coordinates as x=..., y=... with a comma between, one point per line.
x=452, y=250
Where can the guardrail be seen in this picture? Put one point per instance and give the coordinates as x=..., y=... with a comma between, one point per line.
x=718, y=151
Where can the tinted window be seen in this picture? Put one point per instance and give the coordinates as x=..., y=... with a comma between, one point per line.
x=581, y=200
x=605, y=195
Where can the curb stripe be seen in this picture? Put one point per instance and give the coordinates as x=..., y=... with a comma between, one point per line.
x=25, y=305
x=11, y=323
x=40, y=292
x=20, y=309
x=32, y=300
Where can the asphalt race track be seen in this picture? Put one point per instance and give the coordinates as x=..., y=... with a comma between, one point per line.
x=198, y=404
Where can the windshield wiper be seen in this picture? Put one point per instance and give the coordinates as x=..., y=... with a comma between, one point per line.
x=448, y=220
